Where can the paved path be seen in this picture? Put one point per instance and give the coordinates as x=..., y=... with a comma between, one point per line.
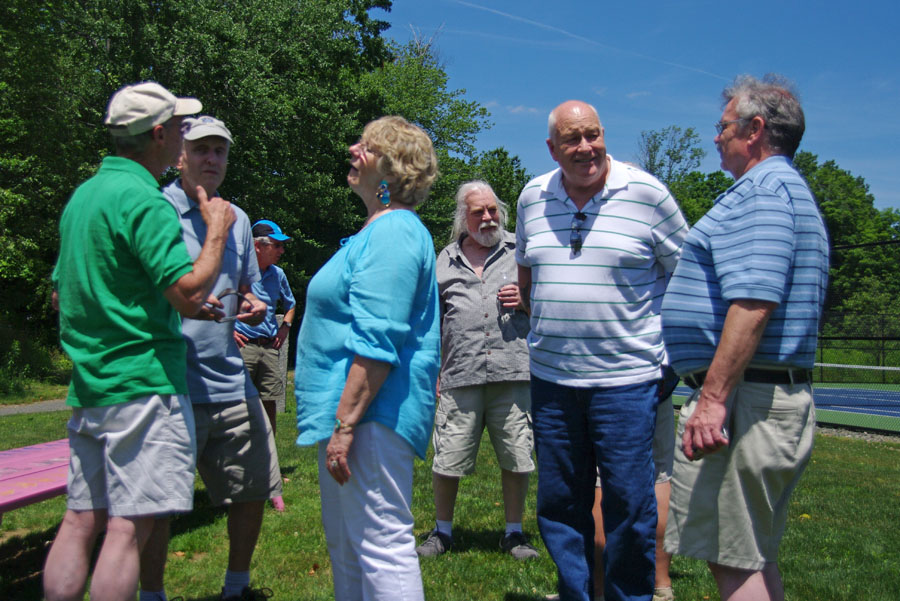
x=39, y=407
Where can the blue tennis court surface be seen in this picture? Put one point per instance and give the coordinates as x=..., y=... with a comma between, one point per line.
x=852, y=400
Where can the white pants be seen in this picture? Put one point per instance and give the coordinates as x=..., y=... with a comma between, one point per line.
x=368, y=522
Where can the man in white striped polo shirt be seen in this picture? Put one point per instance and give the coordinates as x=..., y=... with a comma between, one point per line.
x=740, y=323
x=595, y=242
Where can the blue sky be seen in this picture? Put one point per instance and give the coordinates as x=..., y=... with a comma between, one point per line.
x=646, y=65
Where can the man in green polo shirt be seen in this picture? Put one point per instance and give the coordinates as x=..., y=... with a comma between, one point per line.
x=122, y=277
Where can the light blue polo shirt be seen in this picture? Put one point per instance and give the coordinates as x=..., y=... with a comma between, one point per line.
x=764, y=239
x=272, y=287
x=216, y=371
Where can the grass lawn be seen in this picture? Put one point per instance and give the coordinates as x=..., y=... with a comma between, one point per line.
x=841, y=540
x=35, y=391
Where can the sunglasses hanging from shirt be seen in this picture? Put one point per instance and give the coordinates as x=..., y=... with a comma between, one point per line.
x=576, y=240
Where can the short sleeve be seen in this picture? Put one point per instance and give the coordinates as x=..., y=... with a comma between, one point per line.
x=521, y=237
x=384, y=282
x=287, y=295
x=669, y=229
x=156, y=240
x=753, y=247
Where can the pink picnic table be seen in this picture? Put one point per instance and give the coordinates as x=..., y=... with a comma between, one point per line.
x=32, y=474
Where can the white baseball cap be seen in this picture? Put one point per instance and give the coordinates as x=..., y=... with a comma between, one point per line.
x=203, y=126
x=140, y=107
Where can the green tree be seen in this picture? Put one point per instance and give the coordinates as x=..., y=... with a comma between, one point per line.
x=669, y=153
x=283, y=75
x=696, y=191
x=864, y=240
x=414, y=85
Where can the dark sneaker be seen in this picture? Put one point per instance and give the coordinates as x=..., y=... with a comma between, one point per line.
x=517, y=545
x=435, y=543
x=250, y=594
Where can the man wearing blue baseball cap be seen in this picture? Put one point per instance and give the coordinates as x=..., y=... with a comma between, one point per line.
x=261, y=344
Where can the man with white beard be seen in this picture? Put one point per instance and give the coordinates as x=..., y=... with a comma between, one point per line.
x=484, y=378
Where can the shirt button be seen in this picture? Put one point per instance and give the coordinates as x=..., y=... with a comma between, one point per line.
x=487, y=333
x=485, y=314
x=489, y=352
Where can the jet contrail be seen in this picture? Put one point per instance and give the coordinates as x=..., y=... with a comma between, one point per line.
x=588, y=40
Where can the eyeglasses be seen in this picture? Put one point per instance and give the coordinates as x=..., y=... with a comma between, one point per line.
x=723, y=125
x=575, y=238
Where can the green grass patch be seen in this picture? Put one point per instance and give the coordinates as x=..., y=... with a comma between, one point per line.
x=841, y=540
x=33, y=391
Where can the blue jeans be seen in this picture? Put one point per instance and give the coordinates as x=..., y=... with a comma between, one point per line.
x=576, y=430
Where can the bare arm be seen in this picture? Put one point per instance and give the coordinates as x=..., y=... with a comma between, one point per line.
x=363, y=382
x=525, y=288
x=285, y=328
x=744, y=325
x=191, y=291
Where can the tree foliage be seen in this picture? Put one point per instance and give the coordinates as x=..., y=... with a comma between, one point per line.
x=669, y=153
x=865, y=253
x=696, y=191
x=294, y=81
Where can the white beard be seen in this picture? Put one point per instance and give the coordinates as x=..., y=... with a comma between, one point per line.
x=488, y=239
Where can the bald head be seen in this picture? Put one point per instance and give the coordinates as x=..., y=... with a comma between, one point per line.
x=576, y=144
x=569, y=106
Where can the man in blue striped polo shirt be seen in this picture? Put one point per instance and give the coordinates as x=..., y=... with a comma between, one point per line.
x=595, y=242
x=740, y=319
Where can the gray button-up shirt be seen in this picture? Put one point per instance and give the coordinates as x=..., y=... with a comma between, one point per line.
x=477, y=346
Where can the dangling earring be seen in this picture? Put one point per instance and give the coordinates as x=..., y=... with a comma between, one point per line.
x=383, y=194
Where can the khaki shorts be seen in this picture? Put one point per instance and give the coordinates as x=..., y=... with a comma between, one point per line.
x=663, y=443
x=236, y=454
x=264, y=367
x=134, y=458
x=730, y=507
x=463, y=413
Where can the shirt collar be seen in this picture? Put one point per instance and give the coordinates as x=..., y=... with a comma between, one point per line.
x=183, y=203
x=616, y=180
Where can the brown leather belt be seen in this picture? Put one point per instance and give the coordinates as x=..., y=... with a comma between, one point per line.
x=260, y=341
x=760, y=376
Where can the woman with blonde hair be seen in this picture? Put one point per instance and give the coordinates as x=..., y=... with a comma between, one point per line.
x=368, y=355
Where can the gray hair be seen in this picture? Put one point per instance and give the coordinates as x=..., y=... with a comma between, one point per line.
x=462, y=207
x=132, y=145
x=775, y=100
x=551, y=120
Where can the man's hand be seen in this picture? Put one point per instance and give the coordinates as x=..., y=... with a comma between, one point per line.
x=509, y=297
x=280, y=336
x=253, y=311
x=743, y=329
x=240, y=339
x=218, y=214
x=704, y=431
x=211, y=310
x=54, y=300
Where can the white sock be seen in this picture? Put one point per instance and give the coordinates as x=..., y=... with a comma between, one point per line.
x=235, y=583
x=445, y=527
x=513, y=527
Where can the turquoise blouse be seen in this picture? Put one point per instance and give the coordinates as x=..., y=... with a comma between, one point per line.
x=377, y=298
